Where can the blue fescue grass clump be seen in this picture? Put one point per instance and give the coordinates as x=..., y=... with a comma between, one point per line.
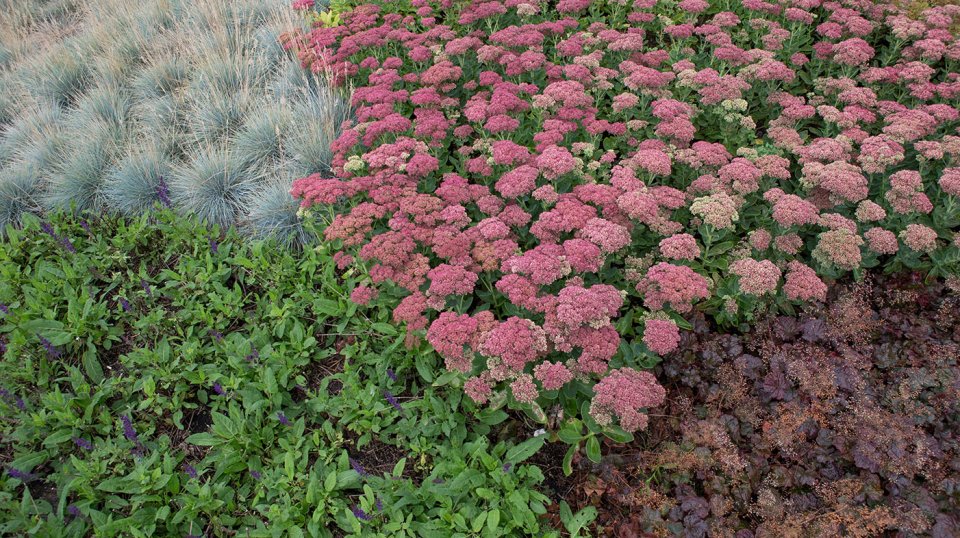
x=19, y=194
x=273, y=213
x=214, y=184
x=103, y=101
x=134, y=185
x=260, y=140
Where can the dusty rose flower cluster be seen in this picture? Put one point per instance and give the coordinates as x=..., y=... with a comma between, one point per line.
x=517, y=176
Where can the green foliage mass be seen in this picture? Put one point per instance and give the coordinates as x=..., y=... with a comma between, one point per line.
x=204, y=341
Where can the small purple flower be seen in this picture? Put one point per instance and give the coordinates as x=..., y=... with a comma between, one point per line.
x=85, y=226
x=18, y=474
x=357, y=467
x=128, y=431
x=392, y=400
x=83, y=443
x=360, y=514
x=48, y=229
x=52, y=351
x=68, y=245
x=217, y=335
x=73, y=510
x=507, y=466
x=283, y=419
x=4, y=393
x=191, y=472
x=438, y=481
x=125, y=304
x=255, y=474
x=214, y=247
x=391, y=374
x=217, y=388
x=146, y=287
x=379, y=505
x=163, y=193
x=254, y=354
x=21, y=405
x=4, y=309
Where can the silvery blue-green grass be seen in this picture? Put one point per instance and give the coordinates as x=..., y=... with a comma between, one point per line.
x=98, y=102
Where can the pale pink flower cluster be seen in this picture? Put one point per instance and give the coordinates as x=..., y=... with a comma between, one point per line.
x=756, y=277
x=625, y=393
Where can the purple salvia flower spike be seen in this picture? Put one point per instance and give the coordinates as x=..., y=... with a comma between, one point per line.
x=83, y=443
x=191, y=472
x=392, y=400
x=163, y=193
x=357, y=467
x=360, y=514
x=128, y=431
x=52, y=351
x=18, y=474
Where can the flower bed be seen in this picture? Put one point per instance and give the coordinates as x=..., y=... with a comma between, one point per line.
x=547, y=188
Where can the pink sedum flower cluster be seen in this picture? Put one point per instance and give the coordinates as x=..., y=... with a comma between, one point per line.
x=557, y=168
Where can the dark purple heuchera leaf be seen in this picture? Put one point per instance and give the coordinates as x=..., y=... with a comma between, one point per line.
x=52, y=351
x=83, y=443
x=360, y=514
x=283, y=419
x=392, y=401
x=813, y=329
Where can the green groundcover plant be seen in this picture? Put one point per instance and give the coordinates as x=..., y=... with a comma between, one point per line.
x=160, y=378
x=546, y=189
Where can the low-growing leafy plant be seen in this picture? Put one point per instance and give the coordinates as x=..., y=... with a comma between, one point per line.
x=162, y=378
